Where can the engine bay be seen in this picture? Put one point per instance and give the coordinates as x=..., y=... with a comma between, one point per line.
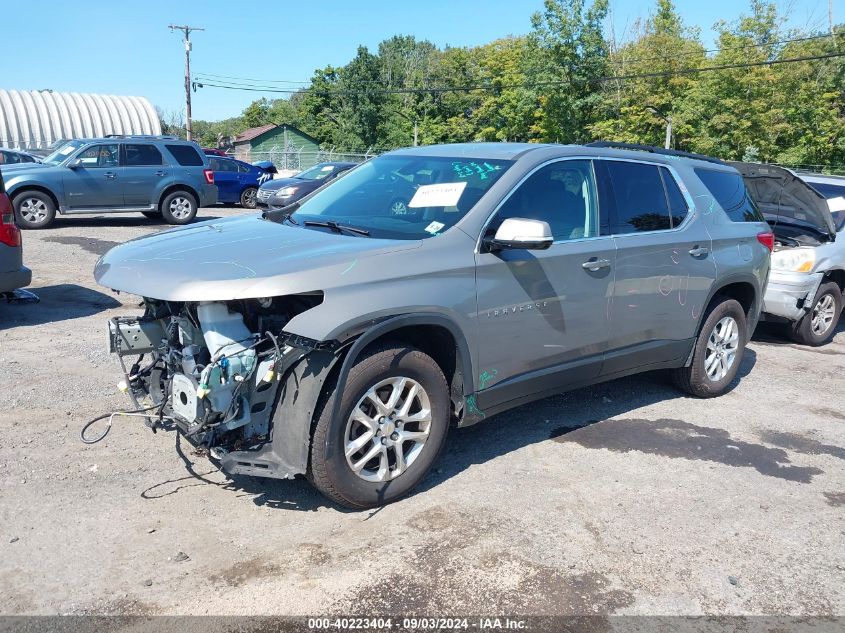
x=211, y=368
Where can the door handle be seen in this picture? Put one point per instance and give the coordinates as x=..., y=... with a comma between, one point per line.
x=161, y=173
x=110, y=174
x=593, y=264
x=699, y=251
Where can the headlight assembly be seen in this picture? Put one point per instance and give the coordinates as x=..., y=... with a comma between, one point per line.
x=285, y=192
x=796, y=260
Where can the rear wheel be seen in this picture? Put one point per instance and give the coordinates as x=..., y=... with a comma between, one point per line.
x=392, y=423
x=818, y=325
x=248, y=197
x=179, y=207
x=34, y=210
x=718, y=351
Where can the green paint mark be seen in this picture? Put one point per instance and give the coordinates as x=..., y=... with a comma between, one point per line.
x=472, y=407
x=350, y=267
x=486, y=377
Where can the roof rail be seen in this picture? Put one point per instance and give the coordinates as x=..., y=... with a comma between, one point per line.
x=655, y=150
x=163, y=137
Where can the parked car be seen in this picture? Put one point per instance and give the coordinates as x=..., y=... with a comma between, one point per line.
x=340, y=336
x=160, y=176
x=808, y=263
x=275, y=194
x=237, y=182
x=13, y=274
x=13, y=157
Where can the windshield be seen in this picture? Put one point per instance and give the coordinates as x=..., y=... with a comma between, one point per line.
x=404, y=197
x=317, y=172
x=62, y=152
x=835, y=195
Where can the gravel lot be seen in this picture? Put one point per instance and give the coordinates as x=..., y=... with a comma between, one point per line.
x=623, y=498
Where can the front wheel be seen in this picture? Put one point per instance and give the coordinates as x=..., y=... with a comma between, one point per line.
x=179, y=207
x=34, y=210
x=718, y=351
x=818, y=325
x=392, y=422
x=248, y=197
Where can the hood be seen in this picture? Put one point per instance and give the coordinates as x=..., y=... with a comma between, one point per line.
x=793, y=208
x=279, y=183
x=16, y=168
x=237, y=258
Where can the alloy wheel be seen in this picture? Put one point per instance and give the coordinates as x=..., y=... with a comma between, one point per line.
x=721, y=350
x=33, y=210
x=387, y=429
x=824, y=313
x=180, y=207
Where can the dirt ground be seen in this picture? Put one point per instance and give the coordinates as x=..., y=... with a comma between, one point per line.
x=626, y=498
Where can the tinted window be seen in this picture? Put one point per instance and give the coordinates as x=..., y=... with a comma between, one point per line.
x=99, y=156
x=637, y=200
x=562, y=194
x=677, y=203
x=186, y=155
x=244, y=169
x=138, y=155
x=729, y=191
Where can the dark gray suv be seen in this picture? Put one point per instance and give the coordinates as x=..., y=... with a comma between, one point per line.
x=159, y=176
x=340, y=336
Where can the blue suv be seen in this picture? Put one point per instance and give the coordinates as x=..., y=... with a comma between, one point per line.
x=162, y=177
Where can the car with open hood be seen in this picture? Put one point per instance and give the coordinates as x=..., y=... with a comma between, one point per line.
x=808, y=263
x=340, y=337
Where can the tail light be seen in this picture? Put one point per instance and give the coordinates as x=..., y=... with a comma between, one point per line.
x=209, y=176
x=10, y=234
x=767, y=239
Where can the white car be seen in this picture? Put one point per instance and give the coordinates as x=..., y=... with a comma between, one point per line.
x=807, y=278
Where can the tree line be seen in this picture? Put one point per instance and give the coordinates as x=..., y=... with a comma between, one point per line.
x=766, y=92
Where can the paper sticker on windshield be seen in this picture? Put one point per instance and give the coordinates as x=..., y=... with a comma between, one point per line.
x=67, y=149
x=446, y=194
x=836, y=204
x=327, y=168
x=434, y=228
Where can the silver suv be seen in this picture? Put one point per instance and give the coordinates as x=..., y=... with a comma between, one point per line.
x=160, y=176
x=339, y=337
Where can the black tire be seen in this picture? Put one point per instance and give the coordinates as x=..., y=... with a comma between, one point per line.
x=330, y=471
x=152, y=215
x=34, y=210
x=695, y=379
x=808, y=330
x=179, y=207
x=248, y=197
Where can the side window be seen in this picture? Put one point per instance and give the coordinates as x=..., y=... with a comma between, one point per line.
x=678, y=208
x=729, y=190
x=562, y=194
x=99, y=156
x=140, y=155
x=244, y=169
x=186, y=155
x=636, y=198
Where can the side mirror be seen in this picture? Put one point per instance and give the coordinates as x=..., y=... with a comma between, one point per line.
x=75, y=164
x=521, y=233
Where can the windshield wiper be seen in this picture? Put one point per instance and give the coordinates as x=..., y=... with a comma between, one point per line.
x=337, y=228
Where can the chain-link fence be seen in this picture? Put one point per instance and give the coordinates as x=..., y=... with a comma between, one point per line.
x=293, y=159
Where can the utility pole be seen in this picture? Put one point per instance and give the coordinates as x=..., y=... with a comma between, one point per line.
x=187, y=39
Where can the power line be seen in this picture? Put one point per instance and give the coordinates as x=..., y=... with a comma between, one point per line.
x=473, y=88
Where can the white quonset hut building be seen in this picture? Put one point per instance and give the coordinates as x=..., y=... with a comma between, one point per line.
x=37, y=119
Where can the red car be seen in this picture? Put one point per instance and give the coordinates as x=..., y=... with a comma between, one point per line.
x=213, y=151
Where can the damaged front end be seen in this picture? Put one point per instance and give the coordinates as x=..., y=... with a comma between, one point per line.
x=229, y=377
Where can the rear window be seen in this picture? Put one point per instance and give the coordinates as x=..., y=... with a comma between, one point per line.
x=186, y=155
x=729, y=191
x=835, y=195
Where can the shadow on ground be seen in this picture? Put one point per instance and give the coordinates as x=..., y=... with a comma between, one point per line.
x=58, y=303
x=570, y=417
x=777, y=335
x=125, y=220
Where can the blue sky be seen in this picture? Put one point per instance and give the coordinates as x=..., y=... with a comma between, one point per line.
x=120, y=47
